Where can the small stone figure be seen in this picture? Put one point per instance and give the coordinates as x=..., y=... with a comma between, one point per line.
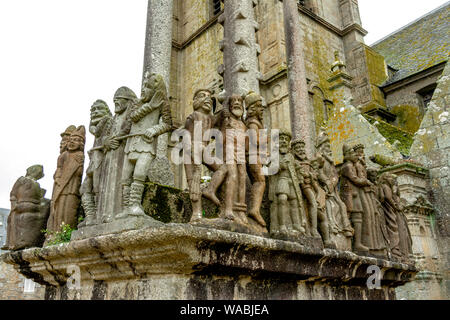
x=329, y=179
x=101, y=121
x=141, y=146
x=287, y=217
x=114, y=144
x=233, y=172
x=66, y=194
x=310, y=190
x=350, y=186
x=202, y=114
x=371, y=230
x=29, y=212
x=254, y=122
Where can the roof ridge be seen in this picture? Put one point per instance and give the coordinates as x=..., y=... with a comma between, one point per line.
x=411, y=23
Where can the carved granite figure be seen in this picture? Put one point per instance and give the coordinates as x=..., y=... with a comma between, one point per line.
x=397, y=228
x=254, y=122
x=350, y=186
x=100, y=123
x=202, y=115
x=110, y=203
x=29, y=212
x=311, y=190
x=329, y=179
x=66, y=194
x=151, y=117
x=405, y=243
x=287, y=217
x=371, y=229
x=233, y=172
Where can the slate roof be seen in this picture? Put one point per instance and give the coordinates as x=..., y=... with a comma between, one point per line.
x=419, y=45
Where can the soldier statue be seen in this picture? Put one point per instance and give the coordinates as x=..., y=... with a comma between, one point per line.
x=287, y=217
x=141, y=146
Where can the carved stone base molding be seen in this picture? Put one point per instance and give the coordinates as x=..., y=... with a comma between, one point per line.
x=187, y=262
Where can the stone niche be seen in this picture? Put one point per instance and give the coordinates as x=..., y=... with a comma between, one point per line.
x=181, y=261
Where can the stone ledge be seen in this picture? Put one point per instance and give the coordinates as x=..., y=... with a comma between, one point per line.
x=185, y=249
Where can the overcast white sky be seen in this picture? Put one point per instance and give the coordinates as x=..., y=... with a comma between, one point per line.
x=57, y=57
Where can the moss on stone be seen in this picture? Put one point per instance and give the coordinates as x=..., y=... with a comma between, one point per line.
x=409, y=117
x=393, y=134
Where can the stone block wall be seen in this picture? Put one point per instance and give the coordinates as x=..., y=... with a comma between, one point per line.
x=12, y=285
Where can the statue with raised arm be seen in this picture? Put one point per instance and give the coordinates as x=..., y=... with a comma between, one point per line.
x=141, y=145
x=29, y=212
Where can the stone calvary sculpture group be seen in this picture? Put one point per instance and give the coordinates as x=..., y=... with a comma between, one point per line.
x=312, y=201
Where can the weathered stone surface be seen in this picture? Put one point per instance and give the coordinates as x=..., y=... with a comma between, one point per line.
x=66, y=195
x=302, y=115
x=187, y=262
x=12, y=285
x=29, y=212
x=431, y=148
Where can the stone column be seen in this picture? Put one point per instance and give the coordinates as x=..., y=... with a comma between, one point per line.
x=158, y=38
x=157, y=58
x=302, y=113
x=240, y=71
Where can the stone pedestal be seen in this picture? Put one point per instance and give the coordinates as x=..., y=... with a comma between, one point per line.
x=179, y=261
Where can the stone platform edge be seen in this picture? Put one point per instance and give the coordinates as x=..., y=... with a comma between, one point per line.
x=186, y=249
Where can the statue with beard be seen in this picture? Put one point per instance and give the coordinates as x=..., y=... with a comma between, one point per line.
x=110, y=202
x=233, y=172
x=351, y=184
x=141, y=146
x=101, y=121
x=287, y=216
x=29, y=212
x=66, y=194
x=254, y=123
x=329, y=179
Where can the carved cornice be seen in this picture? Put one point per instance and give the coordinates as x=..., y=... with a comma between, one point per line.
x=330, y=26
x=185, y=249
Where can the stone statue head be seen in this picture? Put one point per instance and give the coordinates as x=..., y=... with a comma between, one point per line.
x=349, y=154
x=236, y=106
x=203, y=101
x=65, y=138
x=284, y=141
x=35, y=172
x=122, y=99
x=298, y=148
x=77, y=140
x=99, y=110
x=323, y=143
x=254, y=105
x=372, y=175
x=153, y=84
x=359, y=149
